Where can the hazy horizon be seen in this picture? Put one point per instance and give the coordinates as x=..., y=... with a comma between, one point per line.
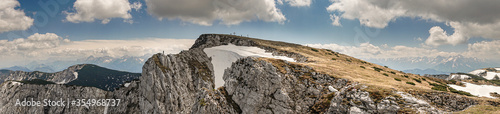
x=366, y=29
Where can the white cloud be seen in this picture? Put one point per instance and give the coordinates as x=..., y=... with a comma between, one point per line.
x=297, y=3
x=119, y=48
x=32, y=43
x=205, y=12
x=368, y=51
x=367, y=13
x=104, y=10
x=439, y=37
x=335, y=20
x=50, y=46
x=13, y=19
x=484, y=49
x=469, y=18
x=136, y=6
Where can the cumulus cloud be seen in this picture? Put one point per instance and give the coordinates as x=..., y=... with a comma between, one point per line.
x=484, y=49
x=104, y=10
x=136, y=6
x=32, y=43
x=49, y=46
x=335, y=20
x=296, y=3
x=366, y=12
x=205, y=12
x=439, y=37
x=369, y=51
x=119, y=48
x=469, y=18
x=13, y=19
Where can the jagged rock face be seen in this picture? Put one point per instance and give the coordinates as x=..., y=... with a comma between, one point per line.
x=11, y=91
x=258, y=87
x=58, y=77
x=447, y=101
x=169, y=84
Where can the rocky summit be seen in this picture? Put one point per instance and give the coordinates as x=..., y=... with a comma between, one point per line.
x=184, y=83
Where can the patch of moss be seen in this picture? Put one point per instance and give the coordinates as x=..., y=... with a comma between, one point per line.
x=417, y=80
x=315, y=50
x=377, y=69
x=459, y=92
x=323, y=104
x=397, y=79
x=379, y=93
x=201, y=69
x=362, y=67
x=439, y=87
x=392, y=72
x=411, y=83
x=385, y=74
x=159, y=64
x=202, y=102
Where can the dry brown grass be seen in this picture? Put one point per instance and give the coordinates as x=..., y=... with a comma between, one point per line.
x=481, y=109
x=349, y=68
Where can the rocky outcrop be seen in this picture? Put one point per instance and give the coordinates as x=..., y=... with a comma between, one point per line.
x=12, y=91
x=446, y=101
x=258, y=86
x=211, y=40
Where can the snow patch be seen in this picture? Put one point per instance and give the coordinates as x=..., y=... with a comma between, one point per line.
x=126, y=84
x=332, y=89
x=62, y=82
x=491, y=75
x=487, y=75
x=476, y=72
x=223, y=56
x=497, y=69
x=458, y=76
x=76, y=75
x=16, y=83
x=477, y=90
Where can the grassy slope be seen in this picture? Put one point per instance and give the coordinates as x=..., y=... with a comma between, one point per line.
x=343, y=66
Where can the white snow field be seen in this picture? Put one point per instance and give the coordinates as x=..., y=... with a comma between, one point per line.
x=477, y=90
x=223, y=56
x=489, y=75
x=458, y=76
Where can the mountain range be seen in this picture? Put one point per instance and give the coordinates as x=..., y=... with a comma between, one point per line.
x=125, y=63
x=81, y=75
x=435, y=65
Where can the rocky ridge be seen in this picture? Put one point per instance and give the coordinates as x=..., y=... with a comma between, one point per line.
x=184, y=83
x=61, y=77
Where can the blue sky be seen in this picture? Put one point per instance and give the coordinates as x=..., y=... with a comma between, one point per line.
x=400, y=25
x=304, y=25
